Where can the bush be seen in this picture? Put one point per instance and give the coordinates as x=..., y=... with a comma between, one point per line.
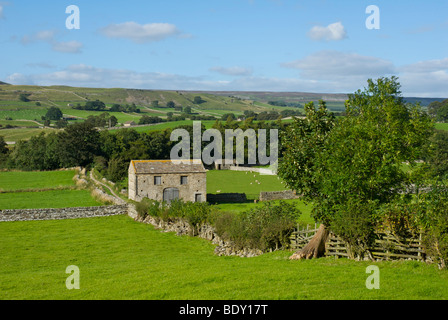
x=264, y=228
x=354, y=222
x=433, y=218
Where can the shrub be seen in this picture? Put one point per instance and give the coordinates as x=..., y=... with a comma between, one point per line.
x=354, y=222
x=433, y=218
x=399, y=218
x=265, y=228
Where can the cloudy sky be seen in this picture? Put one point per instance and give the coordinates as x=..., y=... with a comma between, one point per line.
x=262, y=45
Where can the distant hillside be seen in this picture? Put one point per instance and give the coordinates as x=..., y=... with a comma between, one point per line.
x=4, y=83
x=302, y=97
x=423, y=101
x=221, y=101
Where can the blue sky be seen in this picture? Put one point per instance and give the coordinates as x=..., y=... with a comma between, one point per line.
x=251, y=45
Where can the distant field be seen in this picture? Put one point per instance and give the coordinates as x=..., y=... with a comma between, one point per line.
x=18, y=123
x=227, y=181
x=18, y=180
x=304, y=208
x=46, y=189
x=167, y=125
x=17, y=134
x=442, y=126
x=47, y=199
x=32, y=113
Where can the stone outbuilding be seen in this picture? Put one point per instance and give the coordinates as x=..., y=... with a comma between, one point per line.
x=166, y=180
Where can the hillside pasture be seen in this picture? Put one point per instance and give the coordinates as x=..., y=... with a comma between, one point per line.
x=42, y=189
x=31, y=180
x=65, y=198
x=250, y=183
x=442, y=126
x=16, y=134
x=120, y=259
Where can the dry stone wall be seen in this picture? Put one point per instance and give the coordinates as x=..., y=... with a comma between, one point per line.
x=277, y=195
x=63, y=213
x=205, y=231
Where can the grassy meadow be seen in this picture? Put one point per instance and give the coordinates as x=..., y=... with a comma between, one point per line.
x=46, y=189
x=29, y=180
x=119, y=258
x=251, y=183
x=47, y=199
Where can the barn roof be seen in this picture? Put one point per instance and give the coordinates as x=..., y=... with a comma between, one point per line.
x=167, y=166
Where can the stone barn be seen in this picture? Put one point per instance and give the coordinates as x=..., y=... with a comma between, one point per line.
x=166, y=180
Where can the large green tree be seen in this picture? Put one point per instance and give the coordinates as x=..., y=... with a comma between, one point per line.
x=350, y=167
x=78, y=145
x=53, y=113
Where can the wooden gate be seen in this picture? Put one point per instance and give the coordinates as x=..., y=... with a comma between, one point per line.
x=170, y=194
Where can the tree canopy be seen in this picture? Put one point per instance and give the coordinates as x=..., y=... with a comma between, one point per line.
x=351, y=166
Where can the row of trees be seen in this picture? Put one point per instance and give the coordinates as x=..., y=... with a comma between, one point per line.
x=439, y=110
x=82, y=144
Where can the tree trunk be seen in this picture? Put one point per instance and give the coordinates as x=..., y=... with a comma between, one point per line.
x=315, y=248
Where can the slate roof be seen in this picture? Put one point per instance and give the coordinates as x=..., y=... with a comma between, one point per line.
x=167, y=166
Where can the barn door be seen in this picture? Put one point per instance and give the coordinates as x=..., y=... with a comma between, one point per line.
x=170, y=194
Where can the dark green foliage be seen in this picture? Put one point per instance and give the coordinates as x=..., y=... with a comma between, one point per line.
x=92, y=106
x=3, y=146
x=78, y=145
x=198, y=100
x=38, y=153
x=24, y=97
x=439, y=110
x=227, y=116
x=433, y=218
x=102, y=120
x=264, y=228
x=53, y=113
x=61, y=124
x=150, y=119
x=436, y=155
x=351, y=167
x=170, y=104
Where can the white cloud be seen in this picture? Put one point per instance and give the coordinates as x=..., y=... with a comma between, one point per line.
x=49, y=36
x=1, y=12
x=347, y=67
x=141, y=33
x=232, y=71
x=422, y=79
x=426, y=66
x=332, y=32
x=425, y=78
x=67, y=47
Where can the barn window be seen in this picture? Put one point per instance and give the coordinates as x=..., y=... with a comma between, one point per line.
x=157, y=180
x=183, y=180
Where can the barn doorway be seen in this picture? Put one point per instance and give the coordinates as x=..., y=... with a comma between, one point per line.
x=170, y=194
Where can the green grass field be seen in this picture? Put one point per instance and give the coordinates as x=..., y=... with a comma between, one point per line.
x=119, y=258
x=17, y=134
x=442, y=126
x=47, y=199
x=46, y=189
x=227, y=181
x=19, y=180
x=304, y=208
